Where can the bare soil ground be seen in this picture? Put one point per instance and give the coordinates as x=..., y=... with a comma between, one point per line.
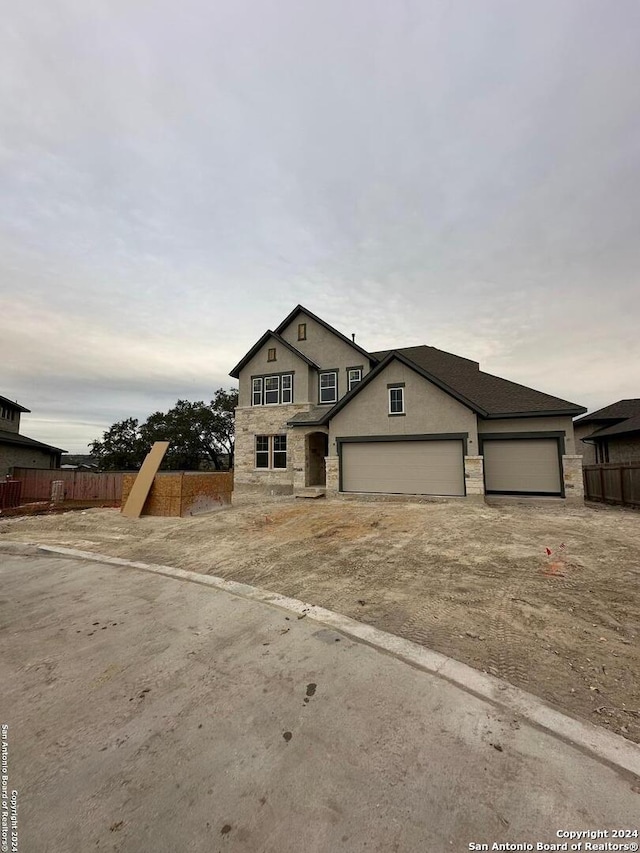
x=473, y=582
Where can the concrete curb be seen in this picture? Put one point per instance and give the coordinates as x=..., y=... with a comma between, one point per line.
x=608, y=747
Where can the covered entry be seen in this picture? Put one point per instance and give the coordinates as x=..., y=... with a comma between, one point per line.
x=522, y=465
x=402, y=467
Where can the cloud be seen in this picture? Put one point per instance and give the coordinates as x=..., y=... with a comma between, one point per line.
x=174, y=181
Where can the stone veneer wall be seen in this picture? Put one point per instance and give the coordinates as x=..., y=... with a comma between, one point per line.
x=333, y=473
x=573, y=482
x=474, y=475
x=267, y=420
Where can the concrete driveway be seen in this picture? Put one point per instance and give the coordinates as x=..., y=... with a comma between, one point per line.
x=147, y=713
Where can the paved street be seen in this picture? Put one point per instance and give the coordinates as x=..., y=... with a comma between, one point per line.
x=152, y=714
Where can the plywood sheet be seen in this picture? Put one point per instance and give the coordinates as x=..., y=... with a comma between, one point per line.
x=144, y=480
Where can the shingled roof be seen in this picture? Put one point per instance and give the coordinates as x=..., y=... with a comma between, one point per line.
x=7, y=437
x=626, y=427
x=492, y=395
x=619, y=411
x=12, y=403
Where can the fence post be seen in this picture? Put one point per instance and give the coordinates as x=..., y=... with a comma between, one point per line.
x=602, y=484
x=57, y=491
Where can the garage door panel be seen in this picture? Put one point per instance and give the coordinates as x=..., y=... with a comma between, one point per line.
x=522, y=466
x=403, y=467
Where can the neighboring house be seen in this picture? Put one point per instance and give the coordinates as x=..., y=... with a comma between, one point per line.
x=611, y=434
x=18, y=450
x=317, y=410
x=78, y=462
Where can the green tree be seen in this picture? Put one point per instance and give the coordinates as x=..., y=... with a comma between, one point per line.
x=121, y=448
x=197, y=432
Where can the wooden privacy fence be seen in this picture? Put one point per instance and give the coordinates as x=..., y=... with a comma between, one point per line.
x=10, y=493
x=78, y=485
x=613, y=482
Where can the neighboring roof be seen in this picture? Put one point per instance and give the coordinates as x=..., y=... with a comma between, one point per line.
x=7, y=437
x=488, y=395
x=254, y=349
x=314, y=416
x=619, y=411
x=13, y=404
x=300, y=309
x=79, y=459
x=626, y=427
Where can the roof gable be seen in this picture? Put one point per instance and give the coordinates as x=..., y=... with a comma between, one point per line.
x=254, y=349
x=300, y=309
x=397, y=355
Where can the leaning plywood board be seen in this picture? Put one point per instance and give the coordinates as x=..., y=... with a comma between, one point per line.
x=144, y=480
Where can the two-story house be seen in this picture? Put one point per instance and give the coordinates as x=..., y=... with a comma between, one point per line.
x=17, y=450
x=317, y=411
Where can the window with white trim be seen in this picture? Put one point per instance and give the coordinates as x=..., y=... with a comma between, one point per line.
x=271, y=451
x=262, y=451
x=354, y=375
x=396, y=401
x=256, y=391
x=329, y=386
x=271, y=390
x=287, y=388
x=279, y=451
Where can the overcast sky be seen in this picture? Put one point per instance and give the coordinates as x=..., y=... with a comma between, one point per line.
x=176, y=177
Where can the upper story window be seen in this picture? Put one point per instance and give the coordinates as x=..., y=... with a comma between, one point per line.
x=354, y=375
x=287, y=388
x=328, y=386
x=271, y=354
x=7, y=413
x=272, y=390
x=396, y=400
x=302, y=331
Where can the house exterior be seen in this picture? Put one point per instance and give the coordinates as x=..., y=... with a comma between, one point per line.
x=18, y=450
x=611, y=434
x=317, y=411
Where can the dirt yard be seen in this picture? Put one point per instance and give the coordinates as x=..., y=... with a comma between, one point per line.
x=473, y=582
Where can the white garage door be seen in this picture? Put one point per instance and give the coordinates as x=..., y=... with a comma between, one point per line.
x=403, y=467
x=522, y=466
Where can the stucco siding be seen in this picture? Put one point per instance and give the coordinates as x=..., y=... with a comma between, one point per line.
x=24, y=457
x=326, y=350
x=429, y=410
x=10, y=425
x=583, y=448
x=286, y=362
x=552, y=424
